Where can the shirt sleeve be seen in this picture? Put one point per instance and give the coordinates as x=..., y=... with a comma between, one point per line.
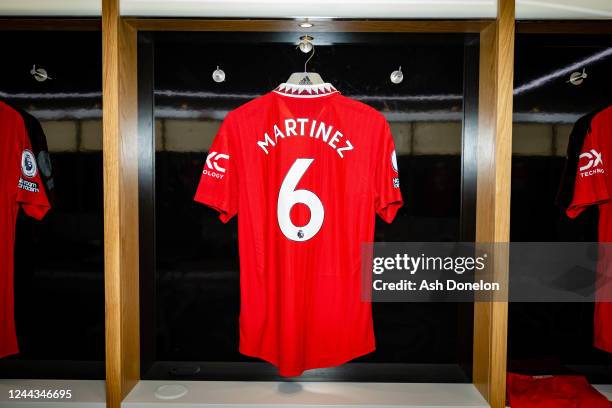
x=565, y=192
x=31, y=194
x=591, y=185
x=40, y=148
x=387, y=194
x=218, y=183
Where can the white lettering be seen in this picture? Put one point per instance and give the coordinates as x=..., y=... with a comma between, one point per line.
x=325, y=132
x=277, y=133
x=302, y=121
x=348, y=146
x=472, y=286
x=335, y=138
x=436, y=285
x=213, y=174
x=312, y=127
x=267, y=141
x=290, y=129
x=298, y=127
x=592, y=172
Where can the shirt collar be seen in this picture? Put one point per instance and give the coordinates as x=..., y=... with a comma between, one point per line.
x=305, y=91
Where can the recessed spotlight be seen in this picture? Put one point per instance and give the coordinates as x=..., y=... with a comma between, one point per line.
x=306, y=24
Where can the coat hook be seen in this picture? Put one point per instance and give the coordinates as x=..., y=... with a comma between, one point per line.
x=397, y=76
x=39, y=74
x=218, y=75
x=577, y=77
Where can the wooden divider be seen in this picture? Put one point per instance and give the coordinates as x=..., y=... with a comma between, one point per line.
x=120, y=152
x=493, y=197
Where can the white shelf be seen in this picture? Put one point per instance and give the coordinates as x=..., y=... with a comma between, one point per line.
x=236, y=394
x=220, y=394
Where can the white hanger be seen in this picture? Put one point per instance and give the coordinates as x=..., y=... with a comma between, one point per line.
x=306, y=78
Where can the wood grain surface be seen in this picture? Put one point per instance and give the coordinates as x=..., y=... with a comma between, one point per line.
x=493, y=198
x=120, y=153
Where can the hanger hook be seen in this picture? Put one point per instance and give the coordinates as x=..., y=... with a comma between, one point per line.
x=309, y=58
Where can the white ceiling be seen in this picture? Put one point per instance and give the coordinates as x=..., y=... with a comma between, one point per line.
x=314, y=8
x=563, y=9
x=444, y=9
x=50, y=7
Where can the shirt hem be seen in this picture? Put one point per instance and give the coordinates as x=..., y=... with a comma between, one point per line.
x=319, y=363
x=8, y=352
x=603, y=346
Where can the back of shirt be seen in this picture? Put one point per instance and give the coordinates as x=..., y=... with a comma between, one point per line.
x=593, y=187
x=20, y=185
x=306, y=170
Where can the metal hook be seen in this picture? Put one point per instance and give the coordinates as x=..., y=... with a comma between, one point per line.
x=577, y=77
x=305, y=45
x=309, y=58
x=39, y=74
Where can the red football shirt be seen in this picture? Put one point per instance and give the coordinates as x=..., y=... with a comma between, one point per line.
x=20, y=185
x=553, y=391
x=306, y=170
x=592, y=187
